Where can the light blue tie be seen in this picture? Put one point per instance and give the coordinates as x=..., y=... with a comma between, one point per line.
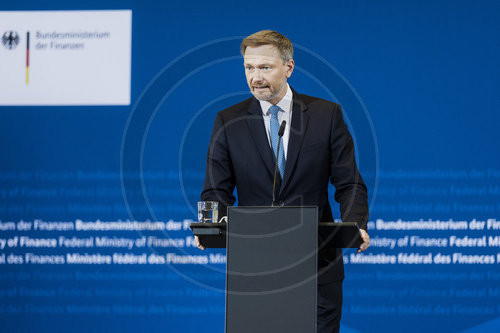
x=275, y=126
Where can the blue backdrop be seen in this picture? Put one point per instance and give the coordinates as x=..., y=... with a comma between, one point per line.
x=419, y=85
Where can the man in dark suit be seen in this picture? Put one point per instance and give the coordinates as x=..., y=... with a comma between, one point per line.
x=316, y=149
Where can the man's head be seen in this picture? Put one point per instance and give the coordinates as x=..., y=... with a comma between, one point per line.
x=268, y=61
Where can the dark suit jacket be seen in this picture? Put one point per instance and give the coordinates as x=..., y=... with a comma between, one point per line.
x=320, y=150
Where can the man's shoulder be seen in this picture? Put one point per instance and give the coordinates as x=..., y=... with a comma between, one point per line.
x=311, y=102
x=237, y=109
x=316, y=102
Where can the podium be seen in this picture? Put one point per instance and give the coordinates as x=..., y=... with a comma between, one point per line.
x=271, y=275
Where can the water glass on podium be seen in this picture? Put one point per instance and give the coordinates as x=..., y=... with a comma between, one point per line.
x=208, y=211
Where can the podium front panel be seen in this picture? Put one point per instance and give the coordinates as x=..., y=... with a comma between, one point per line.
x=271, y=269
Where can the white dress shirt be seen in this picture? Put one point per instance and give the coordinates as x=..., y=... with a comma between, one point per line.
x=285, y=113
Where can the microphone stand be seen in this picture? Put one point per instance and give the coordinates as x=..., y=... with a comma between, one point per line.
x=280, y=135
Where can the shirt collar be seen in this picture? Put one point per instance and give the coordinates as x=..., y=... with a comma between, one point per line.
x=285, y=103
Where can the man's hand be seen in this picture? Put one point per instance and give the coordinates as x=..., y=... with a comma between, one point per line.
x=366, y=241
x=197, y=242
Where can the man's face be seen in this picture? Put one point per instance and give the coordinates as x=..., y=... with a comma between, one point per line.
x=266, y=74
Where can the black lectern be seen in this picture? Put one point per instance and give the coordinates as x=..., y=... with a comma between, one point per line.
x=271, y=269
x=272, y=265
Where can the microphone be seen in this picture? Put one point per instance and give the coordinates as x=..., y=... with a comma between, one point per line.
x=280, y=135
x=281, y=130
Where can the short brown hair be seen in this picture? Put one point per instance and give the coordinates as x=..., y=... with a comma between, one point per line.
x=269, y=37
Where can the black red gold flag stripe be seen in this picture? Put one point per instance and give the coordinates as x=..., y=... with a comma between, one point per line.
x=28, y=57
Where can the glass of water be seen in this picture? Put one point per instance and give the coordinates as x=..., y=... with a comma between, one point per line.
x=208, y=211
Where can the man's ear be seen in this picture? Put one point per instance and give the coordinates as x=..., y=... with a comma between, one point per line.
x=290, y=64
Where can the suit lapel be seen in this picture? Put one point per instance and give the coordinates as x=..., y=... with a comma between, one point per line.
x=258, y=132
x=297, y=130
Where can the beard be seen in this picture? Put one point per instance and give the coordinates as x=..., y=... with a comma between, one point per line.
x=271, y=95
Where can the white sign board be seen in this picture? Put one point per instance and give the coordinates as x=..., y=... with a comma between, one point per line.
x=65, y=57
